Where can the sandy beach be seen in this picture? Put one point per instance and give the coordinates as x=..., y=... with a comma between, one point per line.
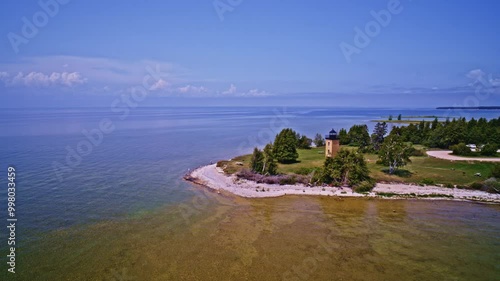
x=214, y=178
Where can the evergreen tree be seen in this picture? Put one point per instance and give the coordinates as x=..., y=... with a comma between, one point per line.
x=304, y=142
x=347, y=168
x=269, y=164
x=378, y=135
x=344, y=137
x=257, y=161
x=358, y=136
x=284, y=147
x=435, y=124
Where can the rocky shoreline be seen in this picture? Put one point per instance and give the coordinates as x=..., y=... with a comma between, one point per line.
x=214, y=178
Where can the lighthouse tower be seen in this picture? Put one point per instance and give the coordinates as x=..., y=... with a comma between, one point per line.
x=332, y=144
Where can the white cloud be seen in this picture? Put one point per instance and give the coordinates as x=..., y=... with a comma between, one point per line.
x=256, y=93
x=192, y=89
x=475, y=74
x=495, y=82
x=480, y=78
x=435, y=88
x=40, y=79
x=230, y=91
x=4, y=76
x=102, y=71
x=159, y=85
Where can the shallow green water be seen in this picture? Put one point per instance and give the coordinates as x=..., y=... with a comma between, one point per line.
x=290, y=238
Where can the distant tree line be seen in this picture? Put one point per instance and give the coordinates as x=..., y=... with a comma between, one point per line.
x=433, y=134
x=445, y=134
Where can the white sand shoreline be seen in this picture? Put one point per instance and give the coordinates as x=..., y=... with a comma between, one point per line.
x=214, y=178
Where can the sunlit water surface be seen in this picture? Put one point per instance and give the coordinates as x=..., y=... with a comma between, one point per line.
x=124, y=213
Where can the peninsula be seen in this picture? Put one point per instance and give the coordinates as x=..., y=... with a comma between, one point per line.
x=353, y=164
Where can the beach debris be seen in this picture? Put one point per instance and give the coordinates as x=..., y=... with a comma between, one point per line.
x=239, y=163
x=477, y=174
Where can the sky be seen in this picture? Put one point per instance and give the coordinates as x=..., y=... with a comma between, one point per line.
x=343, y=53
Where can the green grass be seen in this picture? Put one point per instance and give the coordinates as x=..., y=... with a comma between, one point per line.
x=422, y=169
x=308, y=159
x=438, y=170
x=231, y=166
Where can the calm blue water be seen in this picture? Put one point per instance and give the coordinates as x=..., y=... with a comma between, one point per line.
x=139, y=165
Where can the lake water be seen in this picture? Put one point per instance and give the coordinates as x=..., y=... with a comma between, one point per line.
x=119, y=210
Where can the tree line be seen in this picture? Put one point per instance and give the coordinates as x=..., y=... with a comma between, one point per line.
x=445, y=134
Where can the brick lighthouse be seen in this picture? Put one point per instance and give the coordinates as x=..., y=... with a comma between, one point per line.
x=332, y=144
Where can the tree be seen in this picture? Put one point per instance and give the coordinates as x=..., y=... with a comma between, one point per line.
x=284, y=148
x=390, y=117
x=347, y=168
x=394, y=152
x=435, y=124
x=461, y=149
x=358, y=136
x=379, y=133
x=304, y=142
x=257, y=161
x=399, y=117
x=344, y=137
x=269, y=164
x=319, y=140
x=489, y=150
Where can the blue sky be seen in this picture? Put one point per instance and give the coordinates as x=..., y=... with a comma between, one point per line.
x=404, y=53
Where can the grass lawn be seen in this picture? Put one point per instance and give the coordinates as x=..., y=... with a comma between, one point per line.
x=438, y=170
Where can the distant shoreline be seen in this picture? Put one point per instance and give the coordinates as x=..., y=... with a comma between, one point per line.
x=471, y=107
x=214, y=178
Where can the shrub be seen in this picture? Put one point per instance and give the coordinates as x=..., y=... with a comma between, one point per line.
x=427, y=181
x=221, y=163
x=489, y=150
x=495, y=172
x=492, y=185
x=317, y=176
x=461, y=149
x=364, y=186
x=287, y=180
x=348, y=167
x=386, y=194
x=304, y=171
x=448, y=185
x=476, y=186
x=416, y=152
